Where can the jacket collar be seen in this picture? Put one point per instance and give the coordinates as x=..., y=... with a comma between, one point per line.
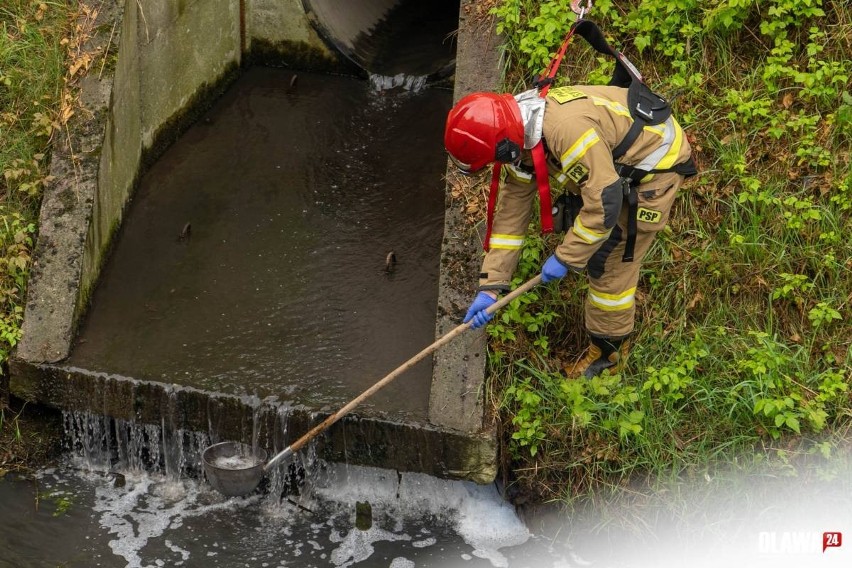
x=532, y=115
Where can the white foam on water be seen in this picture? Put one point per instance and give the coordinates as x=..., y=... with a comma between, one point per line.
x=235, y=462
x=153, y=510
x=184, y=554
x=478, y=513
x=413, y=83
x=147, y=506
x=488, y=523
x=400, y=562
x=357, y=546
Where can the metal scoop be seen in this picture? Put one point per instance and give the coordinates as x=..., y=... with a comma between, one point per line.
x=241, y=478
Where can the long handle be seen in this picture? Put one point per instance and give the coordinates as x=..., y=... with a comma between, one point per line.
x=446, y=338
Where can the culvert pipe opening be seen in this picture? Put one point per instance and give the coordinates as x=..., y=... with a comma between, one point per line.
x=391, y=38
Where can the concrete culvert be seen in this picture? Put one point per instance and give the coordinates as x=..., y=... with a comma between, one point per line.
x=391, y=37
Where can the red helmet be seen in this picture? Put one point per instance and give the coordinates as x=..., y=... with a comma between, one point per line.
x=482, y=128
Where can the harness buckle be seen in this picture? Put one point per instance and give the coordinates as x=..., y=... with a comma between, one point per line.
x=649, y=115
x=543, y=82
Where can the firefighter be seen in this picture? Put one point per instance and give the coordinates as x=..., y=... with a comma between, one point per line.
x=626, y=170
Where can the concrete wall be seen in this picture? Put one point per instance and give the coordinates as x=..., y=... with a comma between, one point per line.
x=183, y=45
x=456, y=399
x=170, y=54
x=275, y=21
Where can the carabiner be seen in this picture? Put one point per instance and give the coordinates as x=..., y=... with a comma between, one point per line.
x=580, y=7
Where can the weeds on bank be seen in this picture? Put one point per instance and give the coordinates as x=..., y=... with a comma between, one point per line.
x=743, y=320
x=32, y=66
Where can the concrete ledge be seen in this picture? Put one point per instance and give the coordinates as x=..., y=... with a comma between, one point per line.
x=354, y=440
x=459, y=369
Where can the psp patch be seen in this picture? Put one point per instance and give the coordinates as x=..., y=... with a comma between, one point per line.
x=563, y=95
x=648, y=215
x=577, y=173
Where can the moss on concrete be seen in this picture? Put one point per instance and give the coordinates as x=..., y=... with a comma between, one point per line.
x=171, y=130
x=298, y=55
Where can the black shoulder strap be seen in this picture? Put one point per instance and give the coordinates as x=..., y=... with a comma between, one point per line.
x=646, y=106
x=625, y=72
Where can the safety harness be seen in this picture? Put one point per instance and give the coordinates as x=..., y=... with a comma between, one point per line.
x=646, y=109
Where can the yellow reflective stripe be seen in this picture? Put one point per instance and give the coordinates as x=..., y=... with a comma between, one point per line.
x=613, y=106
x=669, y=159
x=509, y=242
x=519, y=174
x=588, y=235
x=658, y=130
x=612, y=302
x=665, y=156
x=651, y=160
x=579, y=149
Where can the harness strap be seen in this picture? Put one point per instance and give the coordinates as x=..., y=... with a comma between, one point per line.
x=687, y=169
x=542, y=179
x=492, y=203
x=628, y=140
x=545, y=81
x=542, y=176
x=543, y=183
x=631, y=196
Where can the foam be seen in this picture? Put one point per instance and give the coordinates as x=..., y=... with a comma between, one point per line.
x=357, y=545
x=148, y=506
x=152, y=509
x=478, y=514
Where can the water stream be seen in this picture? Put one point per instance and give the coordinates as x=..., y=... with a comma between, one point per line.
x=112, y=503
x=253, y=259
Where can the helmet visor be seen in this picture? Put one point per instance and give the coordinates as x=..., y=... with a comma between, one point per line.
x=463, y=168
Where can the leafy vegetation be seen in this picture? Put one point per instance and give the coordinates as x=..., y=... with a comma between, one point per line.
x=742, y=346
x=32, y=68
x=35, y=47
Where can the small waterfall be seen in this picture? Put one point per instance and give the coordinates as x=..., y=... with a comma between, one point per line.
x=89, y=438
x=255, y=424
x=413, y=83
x=158, y=497
x=288, y=478
x=171, y=443
x=100, y=443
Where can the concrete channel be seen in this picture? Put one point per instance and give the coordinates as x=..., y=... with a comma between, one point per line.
x=163, y=63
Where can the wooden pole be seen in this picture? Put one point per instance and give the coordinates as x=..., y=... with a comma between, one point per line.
x=443, y=340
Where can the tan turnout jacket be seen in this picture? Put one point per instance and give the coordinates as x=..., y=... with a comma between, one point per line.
x=582, y=124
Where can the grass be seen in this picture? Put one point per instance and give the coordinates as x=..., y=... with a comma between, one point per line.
x=32, y=72
x=742, y=346
x=28, y=435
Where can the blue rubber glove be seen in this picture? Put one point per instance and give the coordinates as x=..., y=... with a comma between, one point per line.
x=553, y=270
x=476, y=311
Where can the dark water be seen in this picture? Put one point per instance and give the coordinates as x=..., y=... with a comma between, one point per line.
x=294, y=199
x=75, y=517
